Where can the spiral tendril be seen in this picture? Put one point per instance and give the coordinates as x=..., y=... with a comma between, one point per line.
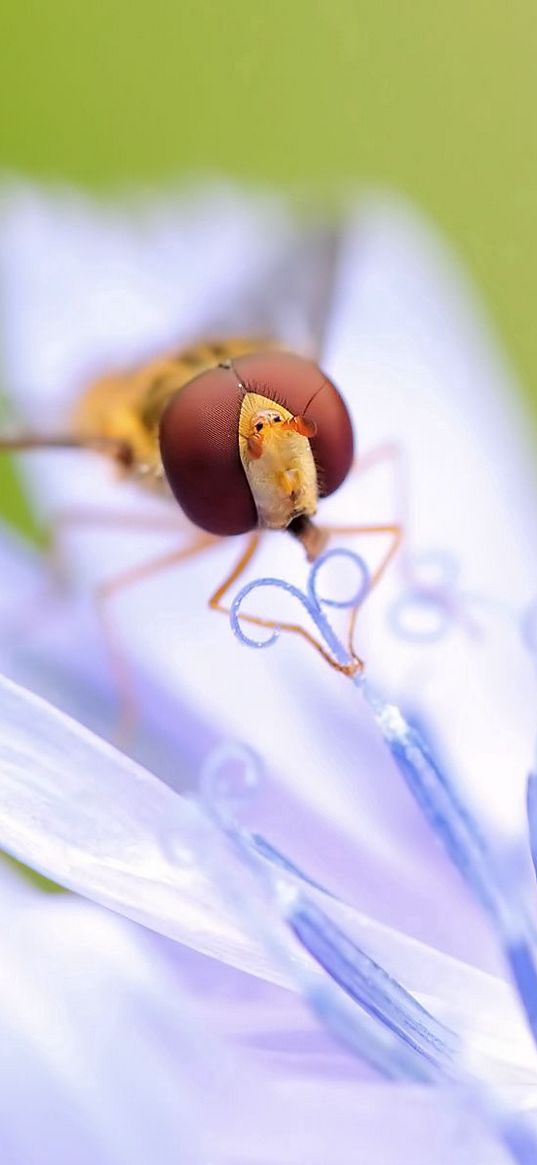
x=434, y=597
x=230, y=776
x=310, y=601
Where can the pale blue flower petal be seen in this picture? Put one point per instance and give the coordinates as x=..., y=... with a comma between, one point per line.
x=81, y=813
x=403, y=352
x=113, y=804
x=86, y=1073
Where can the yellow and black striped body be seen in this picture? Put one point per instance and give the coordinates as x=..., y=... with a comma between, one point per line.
x=127, y=405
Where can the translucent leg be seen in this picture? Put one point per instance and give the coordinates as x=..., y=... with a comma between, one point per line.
x=113, y=587
x=395, y=533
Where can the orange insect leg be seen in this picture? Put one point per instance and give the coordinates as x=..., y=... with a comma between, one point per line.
x=393, y=454
x=109, y=590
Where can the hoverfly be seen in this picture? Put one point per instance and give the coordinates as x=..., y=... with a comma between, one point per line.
x=243, y=434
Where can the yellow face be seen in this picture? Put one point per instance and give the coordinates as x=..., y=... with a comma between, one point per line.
x=278, y=461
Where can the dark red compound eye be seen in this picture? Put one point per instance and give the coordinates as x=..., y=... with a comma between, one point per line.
x=199, y=441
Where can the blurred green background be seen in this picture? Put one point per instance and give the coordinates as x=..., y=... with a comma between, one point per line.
x=437, y=100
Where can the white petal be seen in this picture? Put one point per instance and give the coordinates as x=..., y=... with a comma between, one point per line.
x=369, y=1125
x=102, y=1045
x=81, y=813
x=87, y=1073
x=84, y=815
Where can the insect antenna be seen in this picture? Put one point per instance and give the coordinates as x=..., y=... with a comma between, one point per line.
x=314, y=394
x=229, y=366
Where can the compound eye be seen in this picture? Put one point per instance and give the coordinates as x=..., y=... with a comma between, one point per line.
x=199, y=447
x=199, y=436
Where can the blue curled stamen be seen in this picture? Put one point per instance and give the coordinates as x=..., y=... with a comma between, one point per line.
x=257, y=584
x=435, y=598
x=419, y=600
x=438, y=799
x=225, y=793
x=370, y=986
x=270, y=853
x=363, y=586
x=311, y=602
x=456, y=828
x=358, y=1001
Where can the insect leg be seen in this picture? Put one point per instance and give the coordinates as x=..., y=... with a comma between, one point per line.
x=81, y=518
x=25, y=442
x=215, y=602
x=20, y=442
x=99, y=517
x=110, y=589
x=393, y=455
x=396, y=532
